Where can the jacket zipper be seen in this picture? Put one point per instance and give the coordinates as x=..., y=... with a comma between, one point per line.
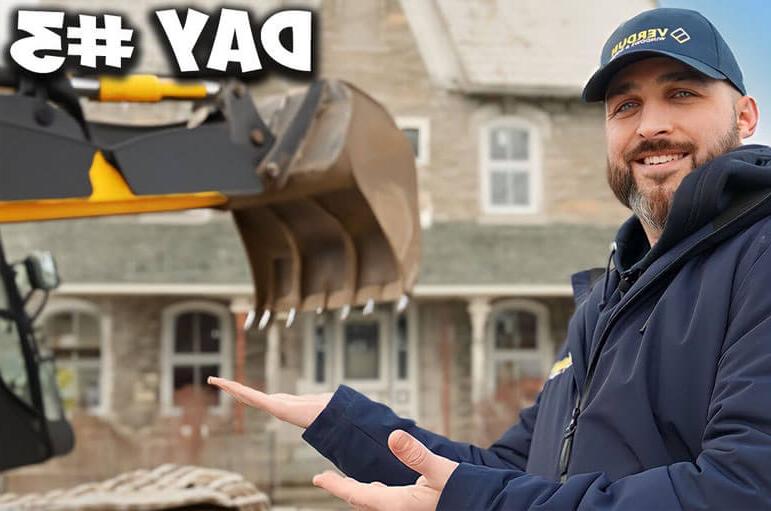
x=567, y=442
x=568, y=437
x=580, y=403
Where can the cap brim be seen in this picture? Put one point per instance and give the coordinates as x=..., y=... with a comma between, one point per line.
x=595, y=87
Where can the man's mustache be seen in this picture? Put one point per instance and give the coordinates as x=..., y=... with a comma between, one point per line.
x=661, y=145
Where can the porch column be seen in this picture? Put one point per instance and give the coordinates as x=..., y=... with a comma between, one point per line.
x=240, y=308
x=272, y=359
x=272, y=385
x=478, y=309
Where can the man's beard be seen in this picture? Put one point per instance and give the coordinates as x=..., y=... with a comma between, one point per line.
x=653, y=210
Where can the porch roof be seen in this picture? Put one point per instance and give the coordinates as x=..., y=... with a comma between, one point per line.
x=125, y=251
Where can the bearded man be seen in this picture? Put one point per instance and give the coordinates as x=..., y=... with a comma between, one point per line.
x=665, y=397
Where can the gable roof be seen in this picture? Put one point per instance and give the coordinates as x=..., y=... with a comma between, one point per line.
x=515, y=46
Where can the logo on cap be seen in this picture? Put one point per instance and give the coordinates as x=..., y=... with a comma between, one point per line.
x=649, y=35
x=680, y=35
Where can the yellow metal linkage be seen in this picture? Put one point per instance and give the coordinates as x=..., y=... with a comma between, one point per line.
x=147, y=88
x=111, y=195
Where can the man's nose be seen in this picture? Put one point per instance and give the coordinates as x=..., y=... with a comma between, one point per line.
x=655, y=121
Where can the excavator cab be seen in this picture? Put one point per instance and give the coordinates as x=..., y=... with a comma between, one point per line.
x=34, y=427
x=320, y=183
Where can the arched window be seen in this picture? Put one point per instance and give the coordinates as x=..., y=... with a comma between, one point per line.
x=74, y=331
x=520, y=353
x=197, y=338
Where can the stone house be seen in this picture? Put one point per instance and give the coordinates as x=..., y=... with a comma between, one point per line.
x=511, y=173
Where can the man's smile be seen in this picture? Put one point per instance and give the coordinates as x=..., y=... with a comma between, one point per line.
x=659, y=165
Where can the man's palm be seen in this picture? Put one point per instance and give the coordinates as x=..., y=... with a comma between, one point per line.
x=298, y=410
x=424, y=495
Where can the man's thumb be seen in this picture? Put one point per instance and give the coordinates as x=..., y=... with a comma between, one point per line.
x=417, y=457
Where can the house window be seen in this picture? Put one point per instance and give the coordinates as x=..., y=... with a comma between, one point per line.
x=416, y=129
x=510, y=167
x=197, y=338
x=515, y=330
x=371, y=352
x=361, y=350
x=401, y=345
x=320, y=349
x=74, y=337
x=520, y=352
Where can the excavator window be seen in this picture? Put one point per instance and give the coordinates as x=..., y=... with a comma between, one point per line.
x=12, y=367
x=52, y=406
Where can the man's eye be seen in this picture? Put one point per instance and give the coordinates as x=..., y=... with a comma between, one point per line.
x=624, y=106
x=683, y=94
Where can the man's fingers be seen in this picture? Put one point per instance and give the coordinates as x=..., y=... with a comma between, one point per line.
x=297, y=410
x=246, y=395
x=416, y=456
x=360, y=495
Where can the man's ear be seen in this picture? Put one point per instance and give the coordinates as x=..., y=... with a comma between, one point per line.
x=747, y=115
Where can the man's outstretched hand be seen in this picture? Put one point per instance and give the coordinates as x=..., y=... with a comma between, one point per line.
x=421, y=496
x=303, y=410
x=298, y=410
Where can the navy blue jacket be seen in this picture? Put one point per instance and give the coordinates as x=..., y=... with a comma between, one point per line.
x=665, y=399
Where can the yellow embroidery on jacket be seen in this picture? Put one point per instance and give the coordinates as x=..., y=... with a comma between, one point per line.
x=560, y=366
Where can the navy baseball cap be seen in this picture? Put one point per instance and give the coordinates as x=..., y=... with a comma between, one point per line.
x=680, y=34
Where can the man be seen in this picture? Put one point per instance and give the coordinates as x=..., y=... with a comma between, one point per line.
x=665, y=399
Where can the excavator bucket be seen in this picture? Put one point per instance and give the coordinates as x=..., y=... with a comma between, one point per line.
x=337, y=223
x=321, y=183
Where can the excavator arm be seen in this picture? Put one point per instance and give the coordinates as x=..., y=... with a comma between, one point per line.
x=321, y=186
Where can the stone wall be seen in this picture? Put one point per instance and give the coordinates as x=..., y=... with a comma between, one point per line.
x=134, y=432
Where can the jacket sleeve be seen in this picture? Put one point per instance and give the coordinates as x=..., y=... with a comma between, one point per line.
x=731, y=472
x=352, y=432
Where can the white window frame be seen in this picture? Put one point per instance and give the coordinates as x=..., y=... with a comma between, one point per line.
x=309, y=383
x=384, y=364
x=543, y=352
x=423, y=125
x=169, y=358
x=407, y=315
x=413, y=371
x=534, y=165
x=57, y=305
x=334, y=363
x=334, y=359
